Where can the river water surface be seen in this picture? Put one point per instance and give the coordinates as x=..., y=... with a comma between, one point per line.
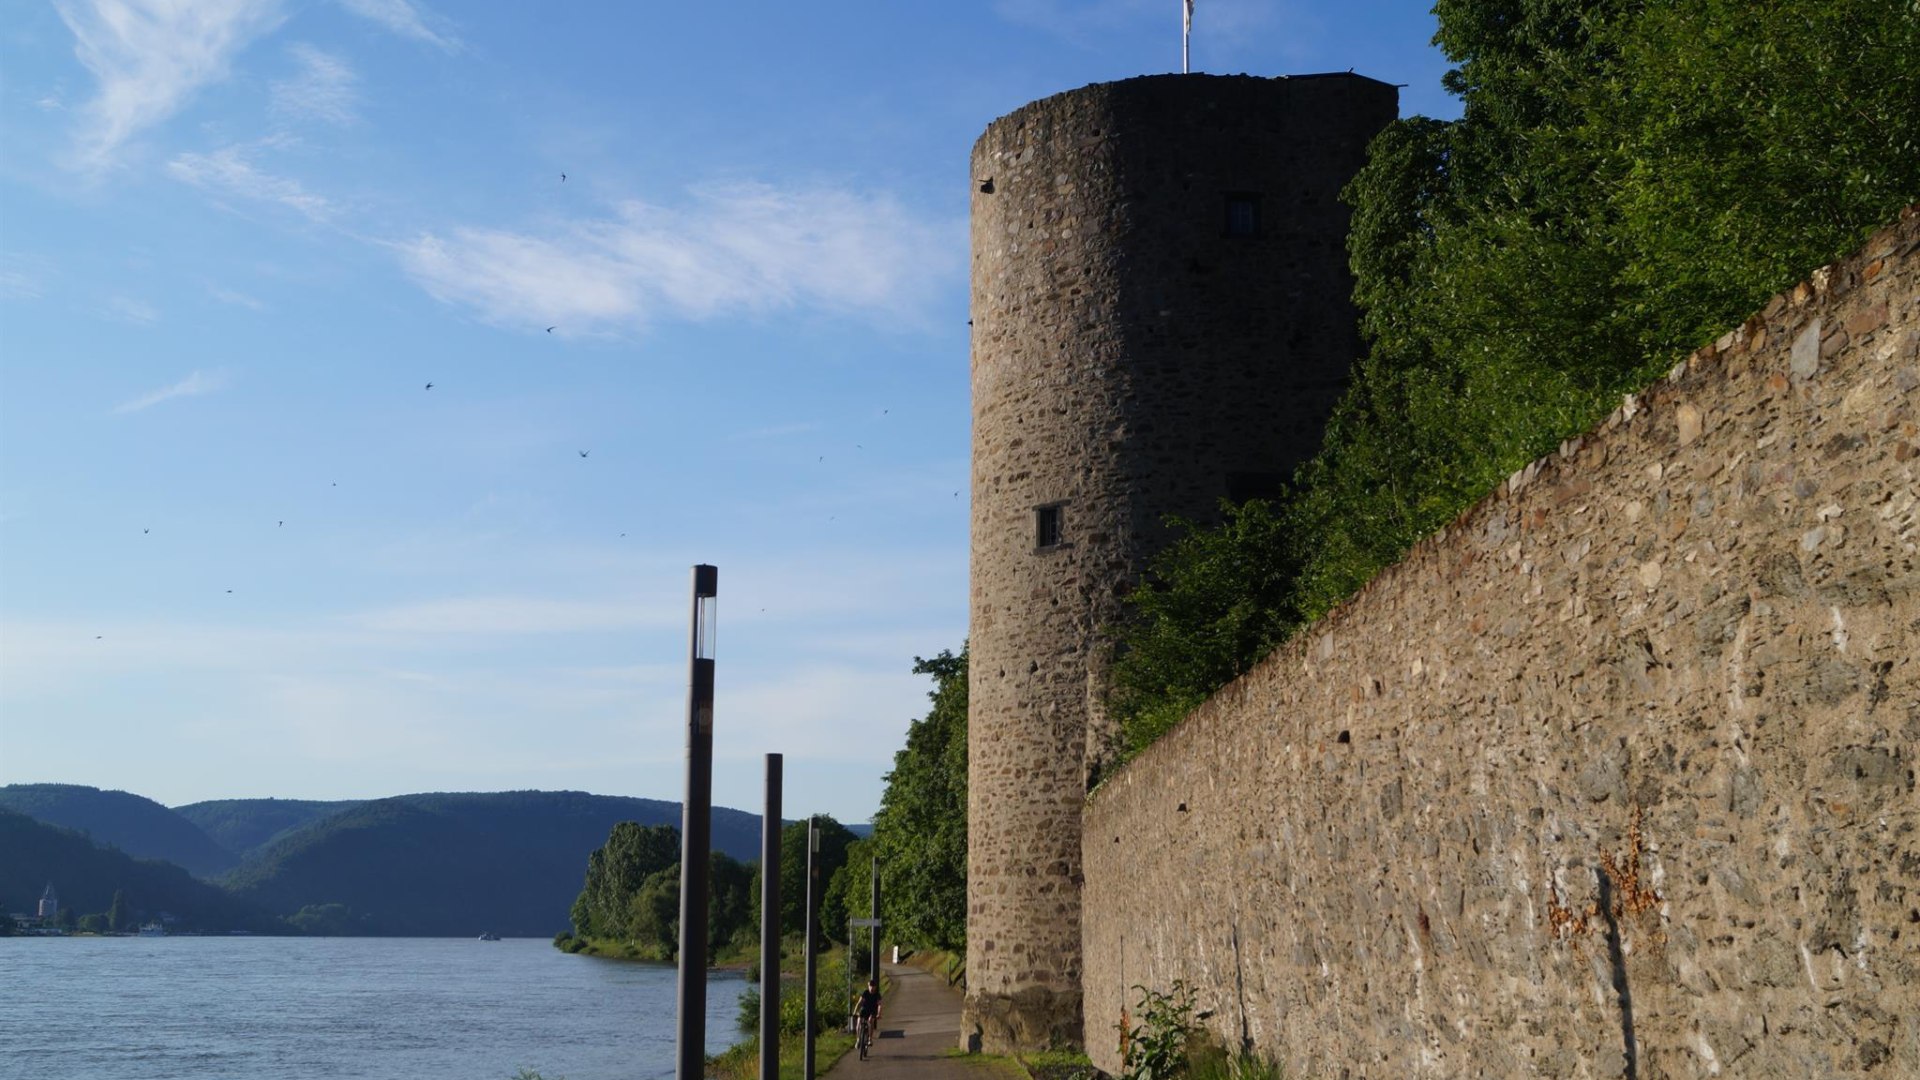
x=261, y=1008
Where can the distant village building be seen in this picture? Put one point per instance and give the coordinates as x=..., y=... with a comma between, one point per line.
x=49, y=910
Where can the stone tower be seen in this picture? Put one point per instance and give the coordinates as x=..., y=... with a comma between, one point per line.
x=1161, y=318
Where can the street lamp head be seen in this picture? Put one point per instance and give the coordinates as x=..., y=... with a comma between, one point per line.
x=706, y=612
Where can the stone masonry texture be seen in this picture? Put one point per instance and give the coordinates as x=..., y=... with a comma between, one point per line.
x=1138, y=351
x=1613, y=777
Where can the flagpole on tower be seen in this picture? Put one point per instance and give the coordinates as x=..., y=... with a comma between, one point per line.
x=1186, y=31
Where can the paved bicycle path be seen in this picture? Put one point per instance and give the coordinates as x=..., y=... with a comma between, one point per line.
x=919, y=1029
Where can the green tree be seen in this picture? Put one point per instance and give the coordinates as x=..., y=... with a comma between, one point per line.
x=835, y=838
x=95, y=923
x=733, y=903
x=1219, y=599
x=616, y=871
x=327, y=920
x=1628, y=179
x=119, y=917
x=850, y=894
x=653, y=916
x=920, y=830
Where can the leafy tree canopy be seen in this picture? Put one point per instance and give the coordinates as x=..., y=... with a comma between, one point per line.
x=1628, y=179
x=920, y=831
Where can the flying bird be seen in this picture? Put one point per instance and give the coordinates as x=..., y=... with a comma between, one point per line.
x=584, y=453
x=429, y=386
x=280, y=525
x=563, y=178
x=144, y=532
x=549, y=329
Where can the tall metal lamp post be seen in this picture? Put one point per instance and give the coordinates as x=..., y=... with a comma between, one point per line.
x=696, y=828
x=812, y=907
x=770, y=925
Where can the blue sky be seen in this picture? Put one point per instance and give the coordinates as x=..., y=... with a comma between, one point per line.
x=245, y=551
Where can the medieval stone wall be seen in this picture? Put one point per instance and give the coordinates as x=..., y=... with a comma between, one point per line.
x=1613, y=777
x=1137, y=352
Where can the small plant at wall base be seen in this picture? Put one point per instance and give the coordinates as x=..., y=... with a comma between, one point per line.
x=1156, y=1048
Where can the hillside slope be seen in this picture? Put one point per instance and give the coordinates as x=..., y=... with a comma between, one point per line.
x=135, y=824
x=33, y=853
x=244, y=825
x=458, y=864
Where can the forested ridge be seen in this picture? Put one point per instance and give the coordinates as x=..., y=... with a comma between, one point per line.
x=425, y=864
x=89, y=878
x=455, y=863
x=132, y=823
x=244, y=826
x=1627, y=181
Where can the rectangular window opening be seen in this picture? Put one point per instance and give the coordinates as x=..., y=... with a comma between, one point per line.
x=1243, y=214
x=1046, y=526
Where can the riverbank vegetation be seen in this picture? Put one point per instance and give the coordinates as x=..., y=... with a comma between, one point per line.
x=920, y=830
x=629, y=906
x=1627, y=180
x=833, y=994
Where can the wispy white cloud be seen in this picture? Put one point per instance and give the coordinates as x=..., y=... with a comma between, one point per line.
x=22, y=276
x=234, y=297
x=132, y=309
x=408, y=20
x=192, y=386
x=228, y=171
x=734, y=248
x=324, y=87
x=149, y=57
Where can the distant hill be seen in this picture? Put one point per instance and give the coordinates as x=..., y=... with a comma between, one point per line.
x=458, y=864
x=134, y=824
x=243, y=825
x=33, y=853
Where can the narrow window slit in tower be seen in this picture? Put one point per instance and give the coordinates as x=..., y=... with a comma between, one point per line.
x=1046, y=526
x=1243, y=214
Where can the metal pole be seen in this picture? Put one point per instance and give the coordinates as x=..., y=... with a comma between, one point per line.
x=813, y=881
x=873, y=949
x=770, y=925
x=696, y=826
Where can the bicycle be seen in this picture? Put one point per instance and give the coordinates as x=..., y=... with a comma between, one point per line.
x=862, y=1034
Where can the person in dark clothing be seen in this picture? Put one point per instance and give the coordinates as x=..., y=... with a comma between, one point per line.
x=866, y=1016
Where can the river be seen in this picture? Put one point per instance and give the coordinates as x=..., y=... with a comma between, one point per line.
x=264, y=1008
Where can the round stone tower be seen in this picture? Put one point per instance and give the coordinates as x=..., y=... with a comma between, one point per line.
x=1161, y=319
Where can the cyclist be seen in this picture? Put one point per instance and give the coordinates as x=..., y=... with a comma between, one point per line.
x=866, y=1015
